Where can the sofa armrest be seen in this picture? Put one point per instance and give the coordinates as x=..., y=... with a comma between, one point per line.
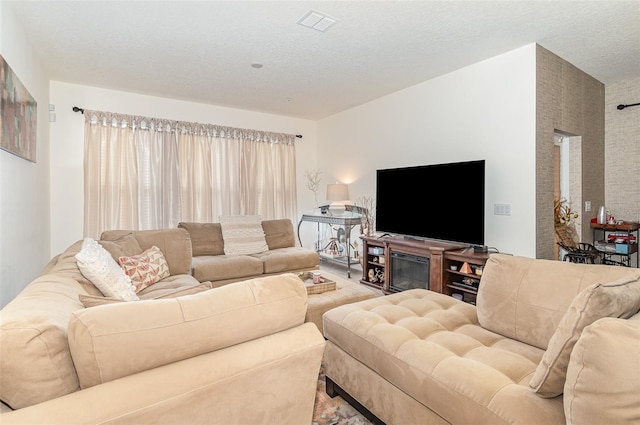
x=116, y=340
x=267, y=380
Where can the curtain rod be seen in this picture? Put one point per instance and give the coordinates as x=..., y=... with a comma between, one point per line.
x=621, y=107
x=81, y=110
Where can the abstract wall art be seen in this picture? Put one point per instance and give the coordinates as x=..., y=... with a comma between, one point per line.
x=18, y=115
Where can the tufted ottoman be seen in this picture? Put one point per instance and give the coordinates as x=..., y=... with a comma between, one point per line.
x=346, y=292
x=418, y=356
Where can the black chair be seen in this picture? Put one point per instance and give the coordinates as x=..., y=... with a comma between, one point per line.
x=576, y=252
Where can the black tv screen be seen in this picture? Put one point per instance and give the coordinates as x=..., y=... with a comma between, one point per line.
x=440, y=201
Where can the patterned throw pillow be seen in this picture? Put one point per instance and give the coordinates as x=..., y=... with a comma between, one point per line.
x=97, y=265
x=145, y=269
x=243, y=234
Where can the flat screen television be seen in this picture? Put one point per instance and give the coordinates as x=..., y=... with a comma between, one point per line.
x=444, y=202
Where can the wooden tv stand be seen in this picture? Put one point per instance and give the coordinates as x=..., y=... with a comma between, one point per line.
x=377, y=254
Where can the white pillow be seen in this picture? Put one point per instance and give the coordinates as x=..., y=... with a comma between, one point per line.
x=97, y=265
x=243, y=234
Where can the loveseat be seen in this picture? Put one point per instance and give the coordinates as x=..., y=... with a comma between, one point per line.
x=182, y=353
x=280, y=254
x=549, y=342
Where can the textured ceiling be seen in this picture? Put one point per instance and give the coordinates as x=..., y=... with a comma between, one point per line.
x=201, y=51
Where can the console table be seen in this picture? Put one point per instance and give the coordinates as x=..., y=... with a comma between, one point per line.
x=346, y=221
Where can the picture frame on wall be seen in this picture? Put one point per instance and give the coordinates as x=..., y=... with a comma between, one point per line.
x=18, y=119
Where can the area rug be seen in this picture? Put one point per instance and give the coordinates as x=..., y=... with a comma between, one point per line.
x=334, y=411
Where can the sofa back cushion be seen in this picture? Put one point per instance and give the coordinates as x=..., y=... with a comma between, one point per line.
x=279, y=233
x=619, y=299
x=175, y=244
x=603, y=384
x=112, y=341
x=525, y=298
x=206, y=238
x=125, y=246
x=35, y=362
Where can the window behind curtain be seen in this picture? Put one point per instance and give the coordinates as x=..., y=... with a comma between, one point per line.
x=146, y=173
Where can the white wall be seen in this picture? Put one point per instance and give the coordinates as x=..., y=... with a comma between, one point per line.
x=484, y=111
x=67, y=136
x=24, y=185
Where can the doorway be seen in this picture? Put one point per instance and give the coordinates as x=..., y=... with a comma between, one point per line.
x=567, y=176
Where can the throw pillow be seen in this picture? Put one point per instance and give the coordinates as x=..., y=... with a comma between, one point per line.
x=243, y=234
x=620, y=299
x=97, y=265
x=145, y=269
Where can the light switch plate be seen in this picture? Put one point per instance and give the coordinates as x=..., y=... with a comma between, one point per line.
x=502, y=209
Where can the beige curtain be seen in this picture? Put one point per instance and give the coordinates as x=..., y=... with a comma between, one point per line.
x=145, y=173
x=158, y=175
x=110, y=175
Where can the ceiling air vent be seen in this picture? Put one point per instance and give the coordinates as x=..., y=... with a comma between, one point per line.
x=316, y=20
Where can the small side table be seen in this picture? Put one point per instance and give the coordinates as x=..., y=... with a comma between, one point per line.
x=347, y=220
x=615, y=253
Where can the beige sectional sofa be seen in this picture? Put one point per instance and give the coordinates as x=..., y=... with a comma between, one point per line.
x=549, y=342
x=183, y=353
x=210, y=263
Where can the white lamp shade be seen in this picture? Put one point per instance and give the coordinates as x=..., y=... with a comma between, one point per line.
x=337, y=192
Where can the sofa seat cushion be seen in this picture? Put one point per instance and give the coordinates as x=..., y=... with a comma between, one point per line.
x=171, y=287
x=288, y=259
x=220, y=267
x=431, y=346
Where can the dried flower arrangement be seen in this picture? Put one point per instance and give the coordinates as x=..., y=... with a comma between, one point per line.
x=313, y=180
x=563, y=215
x=367, y=222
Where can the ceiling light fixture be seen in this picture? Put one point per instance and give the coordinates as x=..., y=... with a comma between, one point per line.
x=256, y=65
x=316, y=20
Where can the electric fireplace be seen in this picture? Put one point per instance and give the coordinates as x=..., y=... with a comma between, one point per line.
x=408, y=272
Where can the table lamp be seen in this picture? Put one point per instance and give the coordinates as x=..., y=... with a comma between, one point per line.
x=338, y=193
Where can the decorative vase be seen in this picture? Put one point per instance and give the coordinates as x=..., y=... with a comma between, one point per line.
x=602, y=215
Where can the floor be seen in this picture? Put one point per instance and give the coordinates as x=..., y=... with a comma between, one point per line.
x=341, y=269
x=336, y=411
